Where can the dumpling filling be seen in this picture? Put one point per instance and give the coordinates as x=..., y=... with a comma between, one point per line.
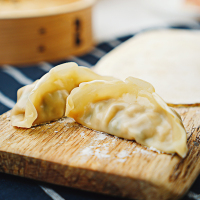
x=45, y=99
x=131, y=110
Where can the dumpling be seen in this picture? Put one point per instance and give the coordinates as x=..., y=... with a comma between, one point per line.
x=45, y=99
x=131, y=110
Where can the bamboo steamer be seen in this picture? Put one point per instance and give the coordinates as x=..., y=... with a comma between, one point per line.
x=50, y=30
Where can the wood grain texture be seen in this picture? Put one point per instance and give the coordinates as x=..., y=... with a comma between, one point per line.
x=66, y=153
x=30, y=40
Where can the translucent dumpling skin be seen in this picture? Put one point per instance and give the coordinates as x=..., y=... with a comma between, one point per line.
x=130, y=110
x=45, y=99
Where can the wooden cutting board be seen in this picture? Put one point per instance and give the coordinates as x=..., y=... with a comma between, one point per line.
x=66, y=153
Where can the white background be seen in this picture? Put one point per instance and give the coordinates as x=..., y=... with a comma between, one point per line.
x=114, y=18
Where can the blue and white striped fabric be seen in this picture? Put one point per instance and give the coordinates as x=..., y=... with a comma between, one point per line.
x=11, y=79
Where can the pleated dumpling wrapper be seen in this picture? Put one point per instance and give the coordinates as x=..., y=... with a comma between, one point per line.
x=45, y=99
x=129, y=109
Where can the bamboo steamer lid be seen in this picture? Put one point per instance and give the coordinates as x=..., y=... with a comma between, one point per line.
x=50, y=30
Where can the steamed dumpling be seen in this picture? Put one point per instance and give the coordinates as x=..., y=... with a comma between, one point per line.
x=130, y=110
x=45, y=99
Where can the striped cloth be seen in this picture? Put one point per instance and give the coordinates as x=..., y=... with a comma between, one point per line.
x=11, y=79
